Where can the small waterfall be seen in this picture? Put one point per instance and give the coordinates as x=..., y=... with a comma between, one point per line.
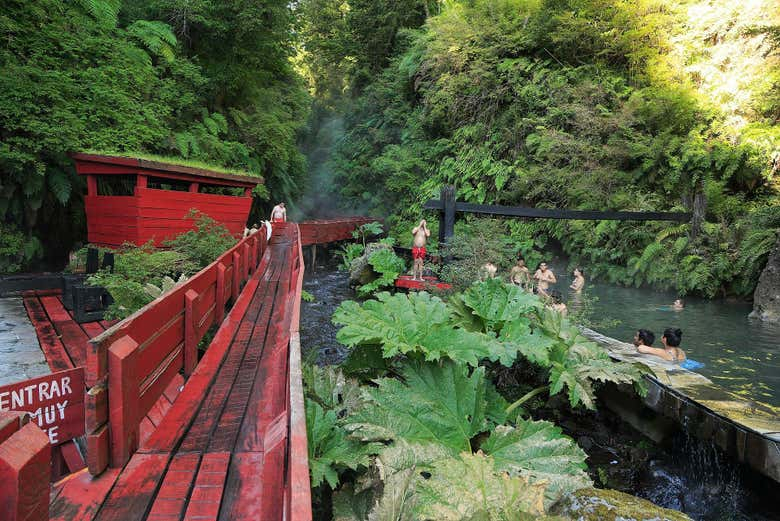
x=695, y=477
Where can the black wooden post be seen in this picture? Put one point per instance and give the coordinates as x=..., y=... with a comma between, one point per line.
x=92, y=260
x=447, y=216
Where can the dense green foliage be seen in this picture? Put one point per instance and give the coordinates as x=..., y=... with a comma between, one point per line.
x=142, y=273
x=428, y=420
x=205, y=242
x=591, y=104
x=208, y=81
x=411, y=426
x=490, y=321
x=386, y=265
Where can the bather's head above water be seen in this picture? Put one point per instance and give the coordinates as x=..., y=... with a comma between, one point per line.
x=644, y=337
x=678, y=304
x=671, y=337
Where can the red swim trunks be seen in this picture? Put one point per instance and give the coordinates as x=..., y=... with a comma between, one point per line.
x=277, y=220
x=418, y=253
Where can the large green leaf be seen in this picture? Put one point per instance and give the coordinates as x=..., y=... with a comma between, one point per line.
x=539, y=451
x=330, y=450
x=533, y=344
x=495, y=303
x=416, y=324
x=331, y=389
x=387, y=492
x=469, y=486
x=433, y=403
x=398, y=322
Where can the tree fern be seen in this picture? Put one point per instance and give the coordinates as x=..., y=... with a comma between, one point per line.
x=156, y=37
x=60, y=185
x=103, y=11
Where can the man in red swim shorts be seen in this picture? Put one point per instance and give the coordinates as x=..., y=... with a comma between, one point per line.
x=421, y=234
x=279, y=213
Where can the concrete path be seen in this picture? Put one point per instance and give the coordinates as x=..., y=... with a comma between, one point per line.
x=20, y=354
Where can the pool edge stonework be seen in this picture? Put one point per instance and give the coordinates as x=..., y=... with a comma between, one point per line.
x=745, y=429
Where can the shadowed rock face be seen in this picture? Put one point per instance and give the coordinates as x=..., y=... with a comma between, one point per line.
x=766, y=299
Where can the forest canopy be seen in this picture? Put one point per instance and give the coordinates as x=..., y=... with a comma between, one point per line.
x=209, y=81
x=373, y=105
x=590, y=104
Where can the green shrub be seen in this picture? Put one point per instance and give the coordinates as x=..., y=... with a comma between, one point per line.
x=203, y=244
x=17, y=250
x=387, y=266
x=134, y=267
x=348, y=253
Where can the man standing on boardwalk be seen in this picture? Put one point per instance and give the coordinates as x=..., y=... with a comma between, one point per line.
x=279, y=213
x=421, y=234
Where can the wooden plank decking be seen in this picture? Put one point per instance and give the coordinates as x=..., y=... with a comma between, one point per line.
x=221, y=451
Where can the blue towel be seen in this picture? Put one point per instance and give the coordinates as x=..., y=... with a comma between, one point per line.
x=691, y=365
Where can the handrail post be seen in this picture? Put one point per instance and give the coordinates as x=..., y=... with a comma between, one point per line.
x=25, y=456
x=123, y=398
x=220, y=293
x=236, y=275
x=190, y=333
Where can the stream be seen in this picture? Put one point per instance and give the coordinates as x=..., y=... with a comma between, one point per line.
x=684, y=474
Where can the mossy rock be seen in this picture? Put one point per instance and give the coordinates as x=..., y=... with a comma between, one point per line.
x=593, y=504
x=360, y=271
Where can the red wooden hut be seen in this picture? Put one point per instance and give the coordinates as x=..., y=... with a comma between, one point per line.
x=137, y=200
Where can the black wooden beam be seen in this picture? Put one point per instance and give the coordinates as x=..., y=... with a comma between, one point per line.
x=548, y=213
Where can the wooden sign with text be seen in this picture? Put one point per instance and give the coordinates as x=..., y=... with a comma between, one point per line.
x=55, y=402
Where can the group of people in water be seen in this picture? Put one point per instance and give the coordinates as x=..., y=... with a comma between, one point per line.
x=671, y=352
x=540, y=282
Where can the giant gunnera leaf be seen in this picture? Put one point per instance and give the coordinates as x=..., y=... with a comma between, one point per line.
x=470, y=487
x=493, y=303
x=539, y=451
x=431, y=403
x=330, y=449
x=417, y=323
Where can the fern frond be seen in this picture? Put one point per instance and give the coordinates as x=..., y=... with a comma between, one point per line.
x=60, y=185
x=105, y=12
x=156, y=37
x=672, y=231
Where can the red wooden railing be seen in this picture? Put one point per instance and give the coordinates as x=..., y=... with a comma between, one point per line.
x=297, y=486
x=25, y=454
x=134, y=361
x=330, y=230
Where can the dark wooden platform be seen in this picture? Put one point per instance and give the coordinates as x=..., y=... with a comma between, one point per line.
x=221, y=450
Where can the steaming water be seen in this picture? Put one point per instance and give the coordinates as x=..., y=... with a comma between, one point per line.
x=691, y=476
x=738, y=353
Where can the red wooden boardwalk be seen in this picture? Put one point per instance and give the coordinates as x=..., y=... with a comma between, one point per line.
x=221, y=451
x=62, y=339
x=230, y=444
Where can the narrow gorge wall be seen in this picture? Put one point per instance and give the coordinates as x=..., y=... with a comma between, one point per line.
x=766, y=299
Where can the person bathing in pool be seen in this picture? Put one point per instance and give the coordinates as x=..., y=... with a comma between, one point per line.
x=671, y=351
x=643, y=338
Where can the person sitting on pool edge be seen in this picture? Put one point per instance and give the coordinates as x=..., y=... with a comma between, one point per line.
x=671, y=351
x=643, y=338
